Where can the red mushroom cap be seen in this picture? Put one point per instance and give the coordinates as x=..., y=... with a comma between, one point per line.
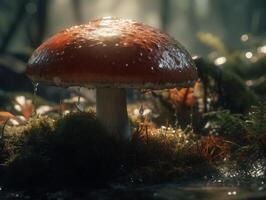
x=111, y=52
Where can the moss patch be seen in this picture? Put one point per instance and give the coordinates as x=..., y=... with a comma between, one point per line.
x=75, y=150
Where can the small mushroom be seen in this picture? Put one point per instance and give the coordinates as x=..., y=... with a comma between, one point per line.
x=112, y=54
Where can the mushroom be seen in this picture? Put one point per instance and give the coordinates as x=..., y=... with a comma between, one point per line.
x=112, y=54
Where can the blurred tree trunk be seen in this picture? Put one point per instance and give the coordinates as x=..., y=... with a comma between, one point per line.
x=194, y=27
x=41, y=20
x=14, y=25
x=256, y=16
x=238, y=17
x=36, y=24
x=76, y=5
x=165, y=13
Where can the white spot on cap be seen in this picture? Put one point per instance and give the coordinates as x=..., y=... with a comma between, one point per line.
x=107, y=17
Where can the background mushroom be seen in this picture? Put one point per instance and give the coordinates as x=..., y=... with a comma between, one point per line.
x=111, y=55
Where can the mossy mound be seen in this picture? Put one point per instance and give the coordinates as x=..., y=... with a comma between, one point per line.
x=75, y=150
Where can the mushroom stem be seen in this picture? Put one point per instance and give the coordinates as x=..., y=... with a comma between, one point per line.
x=111, y=110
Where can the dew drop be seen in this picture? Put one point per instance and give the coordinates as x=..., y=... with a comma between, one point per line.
x=79, y=47
x=116, y=44
x=35, y=89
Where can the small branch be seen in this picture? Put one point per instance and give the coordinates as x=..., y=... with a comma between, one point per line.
x=2, y=134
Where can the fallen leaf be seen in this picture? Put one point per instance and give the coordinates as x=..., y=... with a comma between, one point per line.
x=4, y=116
x=183, y=96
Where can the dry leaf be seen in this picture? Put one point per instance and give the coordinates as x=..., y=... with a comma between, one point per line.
x=183, y=96
x=5, y=116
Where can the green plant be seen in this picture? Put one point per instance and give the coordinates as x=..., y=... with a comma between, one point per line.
x=225, y=123
x=256, y=120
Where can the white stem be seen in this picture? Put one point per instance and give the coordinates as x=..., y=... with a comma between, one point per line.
x=111, y=110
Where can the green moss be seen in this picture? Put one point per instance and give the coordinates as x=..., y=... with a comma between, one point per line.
x=26, y=151
x=84, y=150
x=76, y=150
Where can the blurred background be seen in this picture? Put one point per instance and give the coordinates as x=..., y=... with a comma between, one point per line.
x=226, y=37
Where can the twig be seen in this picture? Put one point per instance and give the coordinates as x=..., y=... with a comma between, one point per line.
x=2, y=133
x=3, y=128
